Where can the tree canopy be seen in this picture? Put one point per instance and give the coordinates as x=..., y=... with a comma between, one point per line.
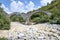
x=54, y=8
x=16, y=17
x=4, y=20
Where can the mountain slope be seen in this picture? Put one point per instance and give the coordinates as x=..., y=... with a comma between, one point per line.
x=4, y=20
x=54, y=8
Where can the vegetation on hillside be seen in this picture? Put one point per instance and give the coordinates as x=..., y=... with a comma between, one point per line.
x=4, y=20
x=16, y=17
x=54, y=8
x=39, y=17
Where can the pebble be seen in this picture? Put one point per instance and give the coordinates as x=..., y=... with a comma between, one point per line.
x=31, y=34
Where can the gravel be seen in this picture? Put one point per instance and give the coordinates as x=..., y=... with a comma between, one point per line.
x=34, y=32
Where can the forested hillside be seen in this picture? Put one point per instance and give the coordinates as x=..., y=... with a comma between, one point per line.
x=4, y=20
x=54, y=8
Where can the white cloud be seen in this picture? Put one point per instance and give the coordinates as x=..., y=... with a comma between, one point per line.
x=17, y=6
x=21, y=7
x=30, y=6
x=5, y=8
x=44, y=2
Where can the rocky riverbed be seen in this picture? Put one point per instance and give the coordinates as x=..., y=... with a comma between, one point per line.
x=32, y=32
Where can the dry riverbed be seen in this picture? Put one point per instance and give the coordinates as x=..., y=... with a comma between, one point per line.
x=44, y=31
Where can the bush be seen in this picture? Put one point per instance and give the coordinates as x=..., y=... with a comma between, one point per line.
x=55, y=20
x=4, y=20
x=16, y=18
x=39, y=18
x=55, y=17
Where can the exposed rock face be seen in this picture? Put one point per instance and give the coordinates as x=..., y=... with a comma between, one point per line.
x=33, y=32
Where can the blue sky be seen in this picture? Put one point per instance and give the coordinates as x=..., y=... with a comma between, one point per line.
x=22, y=5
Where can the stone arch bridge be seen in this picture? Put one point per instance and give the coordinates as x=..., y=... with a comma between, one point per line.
x=27, y=16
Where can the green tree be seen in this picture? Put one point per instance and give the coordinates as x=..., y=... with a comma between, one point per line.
x=4, y=20
x=16, y=17
x=39, y=17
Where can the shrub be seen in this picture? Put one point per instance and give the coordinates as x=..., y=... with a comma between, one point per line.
x=16, y=18
x=39, y=18
x=4, y=20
